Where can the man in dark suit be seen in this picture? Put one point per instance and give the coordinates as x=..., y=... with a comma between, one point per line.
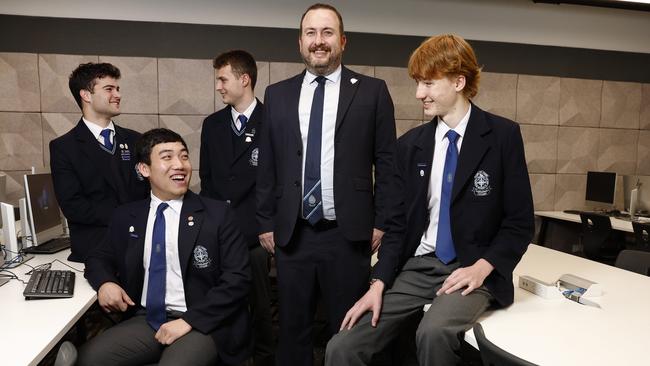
x=92, y=165
x=177, y=265
x=229, y=157
x=459, y=224
x=324, y=131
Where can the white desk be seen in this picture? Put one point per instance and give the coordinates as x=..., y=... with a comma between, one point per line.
x=617, y=224
x=562, y=332
x=29, y=329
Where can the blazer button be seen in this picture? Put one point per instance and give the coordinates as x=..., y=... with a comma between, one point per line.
x=299, y=153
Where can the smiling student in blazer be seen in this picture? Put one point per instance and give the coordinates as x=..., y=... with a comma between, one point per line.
x=228, y=169
x=176, y=265
x=92, y=165
x=319, y=209
x=461, y=220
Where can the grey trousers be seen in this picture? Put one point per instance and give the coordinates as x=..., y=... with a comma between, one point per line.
x=132, y=342
x=440, y=331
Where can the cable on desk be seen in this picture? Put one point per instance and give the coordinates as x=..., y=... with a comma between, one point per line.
x=11, y=276
x=67, y=265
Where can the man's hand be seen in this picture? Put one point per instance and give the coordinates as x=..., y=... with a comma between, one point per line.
x=470, y=278
x=371, y=301
x=376, y=239
x=266, y=239
x=171, y=331
x=112, y=297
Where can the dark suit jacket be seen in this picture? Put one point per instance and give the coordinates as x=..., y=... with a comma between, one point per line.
x=493, y=221
x=228, y=172
x=364, y=137
x=85, y=185
x=216, y=289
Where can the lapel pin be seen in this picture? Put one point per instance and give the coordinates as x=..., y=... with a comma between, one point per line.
x=190, y=218
x=126, y=146
x=353, y=80
x=248, y=139
x=421, y=172
x=131, y=229
x=121, y=146
x=191, y=223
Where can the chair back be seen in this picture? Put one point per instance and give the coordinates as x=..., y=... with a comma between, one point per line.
x=597, y=237
x=641, y=234
x=491, y=355
x=634, y=260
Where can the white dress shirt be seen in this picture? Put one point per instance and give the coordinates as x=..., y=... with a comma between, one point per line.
x=96, y=130
x=428, y=241
x=330, y=108
x=175, y=292
x=247, y=113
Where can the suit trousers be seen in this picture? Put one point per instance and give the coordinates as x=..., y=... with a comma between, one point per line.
x=316, y=261
x=440, y=331
x=132, y=342
x=260, y=303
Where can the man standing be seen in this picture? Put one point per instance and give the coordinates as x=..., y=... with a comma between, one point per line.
x=92, y=165
x=176, y=265
x=318, y=210
x=462, y=218
x=229, y=158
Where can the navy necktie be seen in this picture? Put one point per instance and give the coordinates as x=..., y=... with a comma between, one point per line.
x=445, y=250
x=106, y=134
x=157, y=285
x=242, y=120
x=312, y=204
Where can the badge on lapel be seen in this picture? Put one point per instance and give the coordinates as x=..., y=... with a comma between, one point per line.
x=132, y=232
x=422, y=167
x=202, y=259
x=481, y=184
x=125, y=153
x=254, y=155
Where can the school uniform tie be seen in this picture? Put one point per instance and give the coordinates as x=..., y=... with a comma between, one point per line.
x=242, y=122
x=312, y=204
x=445, y=250
x=106, y=134
x=156, y=287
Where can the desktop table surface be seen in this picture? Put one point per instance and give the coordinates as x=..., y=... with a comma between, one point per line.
x=562, y=332
x=30, y=328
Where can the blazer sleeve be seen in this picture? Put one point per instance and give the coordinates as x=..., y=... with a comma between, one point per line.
x=518, y=225
x=266, y=171
x=384, y=153
x=69, y=192
x=230, y=294
x=204, y=160
x=101, y=265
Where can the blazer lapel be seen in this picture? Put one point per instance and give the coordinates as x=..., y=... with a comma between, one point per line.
x=251, y=131
x=346, y=94
x=472, y=151
x=89, y=147
x=189, y=227
x=423, y=158
x=135, y=247
x=292, y=100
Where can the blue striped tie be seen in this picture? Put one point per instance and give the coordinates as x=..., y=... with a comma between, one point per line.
x=157, y=285
x=445, y=250
x=106, y=134
x=312, y=204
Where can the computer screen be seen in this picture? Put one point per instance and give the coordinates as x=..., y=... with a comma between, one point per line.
x=601, y=187
x=43, y=209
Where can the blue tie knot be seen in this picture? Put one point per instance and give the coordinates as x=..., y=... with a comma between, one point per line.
x=106, y=134
x=161, y=208
x=242, y=120
x=320, y=80
x=452, y=136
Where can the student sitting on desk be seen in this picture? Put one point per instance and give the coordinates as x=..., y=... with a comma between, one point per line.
x=176, y=265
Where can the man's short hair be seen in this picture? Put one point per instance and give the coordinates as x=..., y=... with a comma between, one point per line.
x=241, y=62
x=151, y=138
x=326, y=7
x=446, y=55
x=85, y=77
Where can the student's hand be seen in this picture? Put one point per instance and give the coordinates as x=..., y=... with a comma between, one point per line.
x=171, y=331
x=112, y=297
x=376, y=239
x=470, y=278
x=371, y=301
x=266, y=239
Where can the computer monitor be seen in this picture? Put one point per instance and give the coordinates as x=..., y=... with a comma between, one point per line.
x=601, y=187
x=44, y=214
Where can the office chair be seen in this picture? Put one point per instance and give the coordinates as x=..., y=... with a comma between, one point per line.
x=599, y=241
x=491, y=355
x=634, y=260
x=641, y=234
x=67, y=355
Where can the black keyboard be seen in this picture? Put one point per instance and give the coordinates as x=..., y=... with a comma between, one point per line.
x=49, y=247
x=45, y=284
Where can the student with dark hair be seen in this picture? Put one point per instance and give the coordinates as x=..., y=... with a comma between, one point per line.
x=176, y=265
x=229, y=155
x=92, y=165
x=461, y=220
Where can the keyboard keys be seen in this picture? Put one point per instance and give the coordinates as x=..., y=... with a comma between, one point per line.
x=50, y=284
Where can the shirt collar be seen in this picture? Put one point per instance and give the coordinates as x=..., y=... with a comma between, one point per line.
x=334, y=77
x=95, y=129
x=248, y=112
x=175, y=205
x=442, y=127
